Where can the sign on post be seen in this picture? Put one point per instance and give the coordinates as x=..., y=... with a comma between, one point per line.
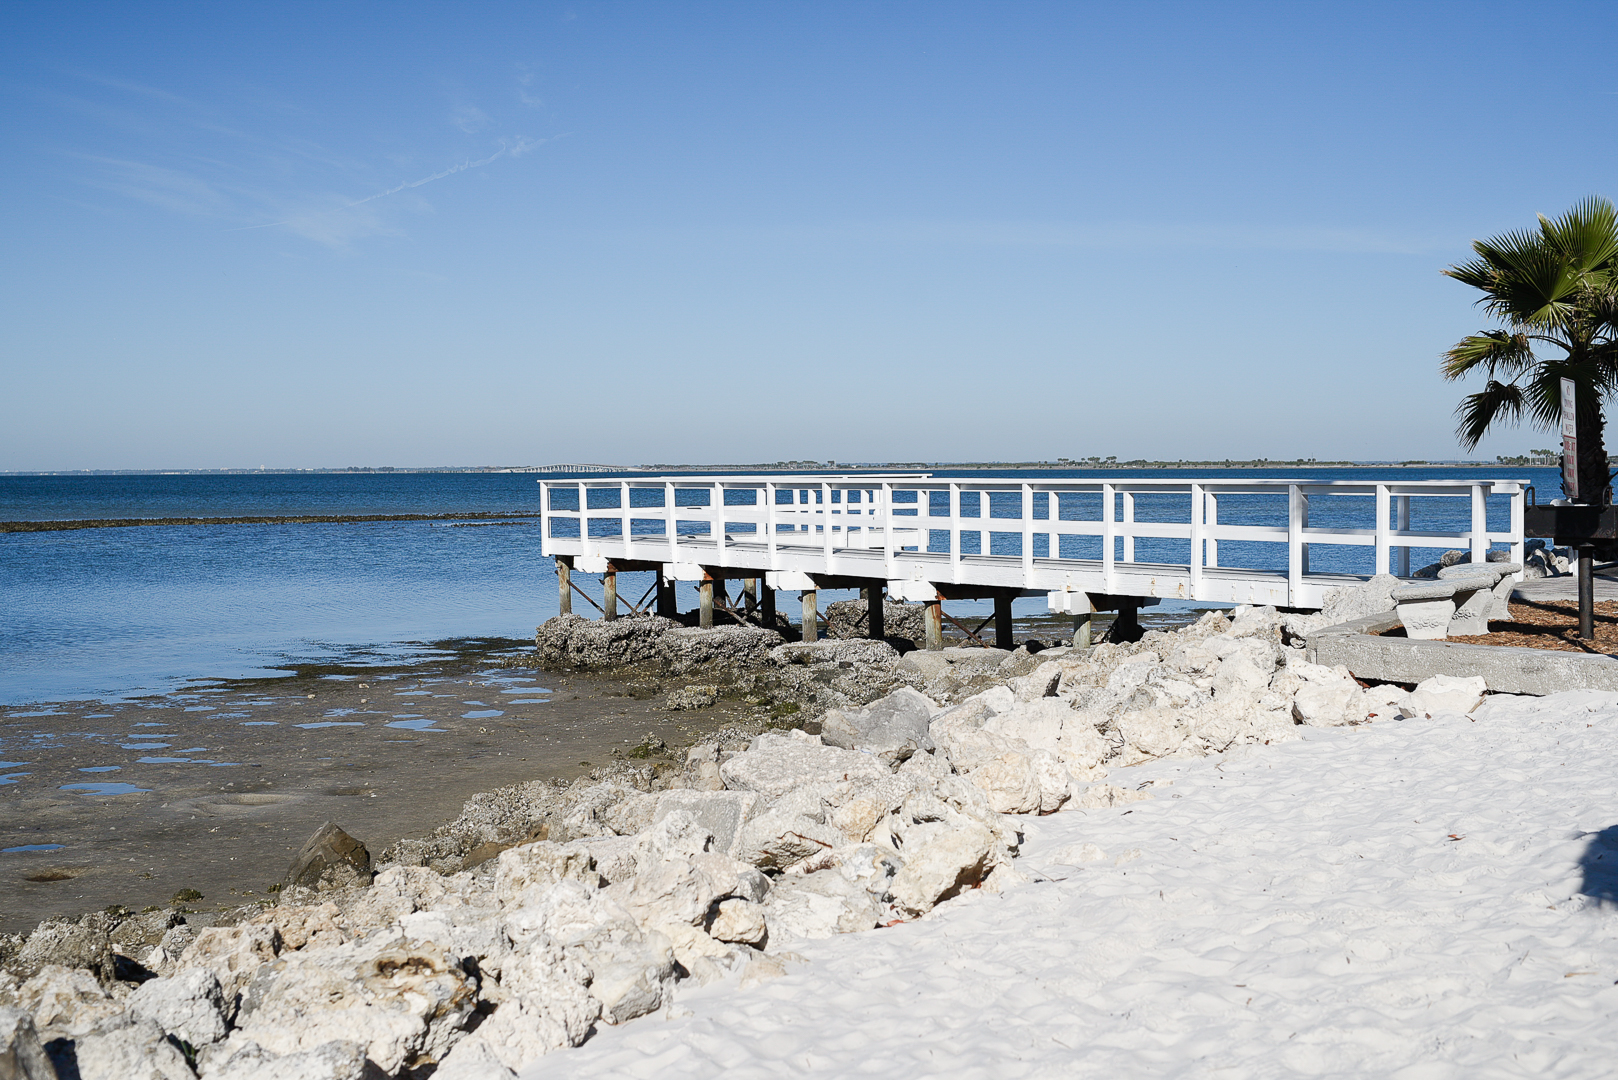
x=1570, y=442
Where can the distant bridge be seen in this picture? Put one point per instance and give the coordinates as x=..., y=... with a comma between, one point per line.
x=569, y=469
x=1087, y=545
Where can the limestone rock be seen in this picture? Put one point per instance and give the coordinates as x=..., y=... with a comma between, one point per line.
x=339, y=1059
x=738, y=921
x=1351, y=602
x=233, y=954
x=693, y=697
x=1384, y=701
x=891, y=728
x=22, y=1056
x=1446, y=693
x=720, y=813
x=1329, y=697
x=572, y=641
x=775, y=764
x=684, y=649
x=819, y=905
x=138, y=1052
x=190, y=1006
x=330, y=859
x=68, y=1003
x=940, y=867
x=65, y=944
x=405, y=1001
x=540, y=865
x=850, y=619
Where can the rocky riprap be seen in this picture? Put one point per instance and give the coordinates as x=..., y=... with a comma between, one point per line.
x=548, y=910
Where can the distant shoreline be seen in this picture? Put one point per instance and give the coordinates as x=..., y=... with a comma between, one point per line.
x=286, y=519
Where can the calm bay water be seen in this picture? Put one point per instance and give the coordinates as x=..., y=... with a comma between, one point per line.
x=102, y=613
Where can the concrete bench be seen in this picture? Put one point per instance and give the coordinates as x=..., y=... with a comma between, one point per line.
x=1461, y=602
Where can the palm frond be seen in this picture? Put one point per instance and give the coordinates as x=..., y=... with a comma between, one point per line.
x=1479, y=412
x=1493, y=350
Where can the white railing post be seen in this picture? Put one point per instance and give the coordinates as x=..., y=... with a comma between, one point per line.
x=1027, y=533
x=887, y=530
x=1129, y=520
x=1198, y=507
x=623, y=513
x=825, y=511
x=1211, y=516
x=769, y=524
x=1297, y=511
x=584, y=519
x=1108, y=537
x=1480, y=525
x=1401, y=561
x=716, y=511
x=1517, y=502
x=954, y=532
x=1379, y=562
x=671, y=524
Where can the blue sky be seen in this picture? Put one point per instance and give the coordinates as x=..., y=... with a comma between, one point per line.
x=416, y=234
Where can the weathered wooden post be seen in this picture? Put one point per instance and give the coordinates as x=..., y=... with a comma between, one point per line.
x=667, y=605
x=1082, y=621
x=811, y=616
x=1002, y=621
x=564, y=584
x=933, y=619
x=705, y=602
x=875, y=623
x=609, y=586
x=749, y=595
x=766, y=605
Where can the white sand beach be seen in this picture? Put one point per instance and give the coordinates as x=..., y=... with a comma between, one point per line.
x=1416, y=898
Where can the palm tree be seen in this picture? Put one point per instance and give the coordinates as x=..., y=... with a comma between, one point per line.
x=1555, y=289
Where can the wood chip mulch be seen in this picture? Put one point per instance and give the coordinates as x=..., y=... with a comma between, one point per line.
x=1546, y=624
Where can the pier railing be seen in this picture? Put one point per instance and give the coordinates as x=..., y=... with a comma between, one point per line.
x=1276, y=541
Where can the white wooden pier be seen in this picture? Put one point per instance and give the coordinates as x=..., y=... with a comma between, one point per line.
x=928, y=539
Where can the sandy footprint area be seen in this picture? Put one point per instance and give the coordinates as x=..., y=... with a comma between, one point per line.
x=1425, y=898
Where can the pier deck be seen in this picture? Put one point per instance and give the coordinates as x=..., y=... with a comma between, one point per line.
x=1085, y=544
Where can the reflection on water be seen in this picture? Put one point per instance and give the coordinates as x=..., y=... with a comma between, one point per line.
x=104, y=789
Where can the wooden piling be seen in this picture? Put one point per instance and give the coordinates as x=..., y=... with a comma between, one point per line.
x=811, y=616
x=1126, y=625
x=933, y=618
x=564, y=584
x=609, y=586
x=766, y=605
x=667, y=604
x=1082, y=621
x=749, y=595
x=1002, y=621
x=705, y=602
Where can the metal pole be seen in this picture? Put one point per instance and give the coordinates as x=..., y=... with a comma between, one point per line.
x=1587, y=593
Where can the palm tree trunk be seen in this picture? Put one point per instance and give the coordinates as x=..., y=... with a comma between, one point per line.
x=1592, y=455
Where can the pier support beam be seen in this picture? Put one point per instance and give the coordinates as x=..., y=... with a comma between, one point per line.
x=932, y=618
x=1082, y=621
x=564, y=584
x=609, y=588
x=749, y=595
x=811, y=615
x=705, y=602
x=766, y=605
x=1126, y=626
x=875, y=618
x=667, y=605
x=1002, y=622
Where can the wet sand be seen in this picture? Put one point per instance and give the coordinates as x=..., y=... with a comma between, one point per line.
x=238, y=774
